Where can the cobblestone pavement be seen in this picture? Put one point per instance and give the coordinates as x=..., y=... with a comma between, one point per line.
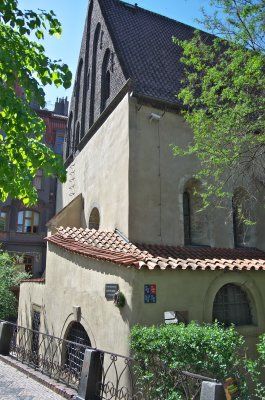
x=15, y=385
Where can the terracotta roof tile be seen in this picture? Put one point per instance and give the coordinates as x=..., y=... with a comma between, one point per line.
x=110, y=246
x=34, y=280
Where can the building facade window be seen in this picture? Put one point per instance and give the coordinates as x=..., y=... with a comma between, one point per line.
x=28, y=221
x=77, y=135
x=69, y=135
x=37, y=180
x=231, y=306
x=59, y=142
x=241, y=210
x=186, y=217
x=195, y=219
x=74, y=354
x=94, y=219
x=3, y=221
x=93, y=75
x=35, y=334
x=105, y=81
x=28, y=261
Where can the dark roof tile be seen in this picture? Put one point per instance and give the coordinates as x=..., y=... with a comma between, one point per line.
x=143, y=41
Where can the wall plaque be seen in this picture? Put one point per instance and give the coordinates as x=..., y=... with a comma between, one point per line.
x=150, y=293
x=110, y=290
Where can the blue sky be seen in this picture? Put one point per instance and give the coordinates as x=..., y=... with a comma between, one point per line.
x=72, y=17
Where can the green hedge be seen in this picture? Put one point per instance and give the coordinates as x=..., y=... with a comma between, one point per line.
x=209, y=349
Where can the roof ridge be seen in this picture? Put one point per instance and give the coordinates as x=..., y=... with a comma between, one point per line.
x=137, y=7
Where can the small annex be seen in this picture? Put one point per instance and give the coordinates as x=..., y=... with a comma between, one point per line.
x=201, y=284
x=128, y=218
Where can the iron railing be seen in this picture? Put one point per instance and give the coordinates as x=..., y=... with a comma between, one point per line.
x=122, y=377
x=48, y=354
x=119, y=381
x=159, y=381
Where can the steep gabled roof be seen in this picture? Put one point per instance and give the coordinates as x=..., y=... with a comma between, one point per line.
x=144, y=44
x=111, y=247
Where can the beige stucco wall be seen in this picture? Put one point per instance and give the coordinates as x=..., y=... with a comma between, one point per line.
x=100, y=173
x=157, y=183
x=73, y=280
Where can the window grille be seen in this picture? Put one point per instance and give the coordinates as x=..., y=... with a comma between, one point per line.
x=75, y=354
x=231, y=306
x=35, y=334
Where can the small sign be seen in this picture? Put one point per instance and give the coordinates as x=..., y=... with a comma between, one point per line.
x=170, y=317
x=150, y=293
x=110, y=290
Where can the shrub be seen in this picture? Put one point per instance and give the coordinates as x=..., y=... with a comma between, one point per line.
x=9, y=276
x=256, y=369
x=161, y=351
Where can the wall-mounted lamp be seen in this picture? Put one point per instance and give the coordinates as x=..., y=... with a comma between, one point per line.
x=154, y=117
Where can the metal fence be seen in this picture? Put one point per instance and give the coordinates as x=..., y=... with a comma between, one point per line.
x=120, y=378
x=59, y=359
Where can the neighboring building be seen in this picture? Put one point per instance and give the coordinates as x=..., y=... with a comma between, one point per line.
x=22, y=229
x=128, y=210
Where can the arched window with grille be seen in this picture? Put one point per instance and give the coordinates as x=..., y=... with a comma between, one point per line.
x=105, y=80
x=75, y=350
x=93, y=74
x=231, y=306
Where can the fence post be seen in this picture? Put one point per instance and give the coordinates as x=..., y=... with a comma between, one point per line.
x=212, y=391
x=91, y=376
x=6, y=333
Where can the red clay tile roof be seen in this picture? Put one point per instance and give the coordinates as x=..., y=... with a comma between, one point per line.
x=34, y=280
x=110, y=246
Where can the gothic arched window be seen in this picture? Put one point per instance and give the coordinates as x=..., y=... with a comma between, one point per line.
x=77, y=135
x=186, y=217
x=93, y=74
x=94, y=219
x=239, y=208
x=231, y=306
x=195, y=220
x=105, y=81
x=77, y=88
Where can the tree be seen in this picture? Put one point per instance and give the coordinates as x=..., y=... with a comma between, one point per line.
x=23, y=61
x=9, y=277
x=223, y=96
